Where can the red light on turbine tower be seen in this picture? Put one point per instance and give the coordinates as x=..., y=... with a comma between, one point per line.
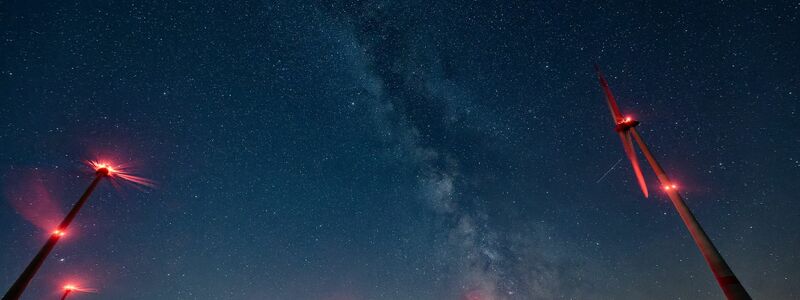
x=102, y=167
x=117, y=171
x=59, y=232
x=625, y=120
x=72, y=288
x=75, y=288
x=670, y=187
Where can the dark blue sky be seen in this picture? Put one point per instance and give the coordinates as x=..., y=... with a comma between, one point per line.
x=399, y=150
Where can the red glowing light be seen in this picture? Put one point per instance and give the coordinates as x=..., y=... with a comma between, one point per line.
x=59, y=232
x=118, y=171
x=99, y=166
x=625, y=121
x=669, y=187
x=71, y=287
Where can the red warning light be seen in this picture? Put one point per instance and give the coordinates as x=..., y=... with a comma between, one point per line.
x=670, y=187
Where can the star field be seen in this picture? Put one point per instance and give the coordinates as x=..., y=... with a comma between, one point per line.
x=398, y=150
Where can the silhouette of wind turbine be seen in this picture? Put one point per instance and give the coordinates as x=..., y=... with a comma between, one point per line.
x=626, y=127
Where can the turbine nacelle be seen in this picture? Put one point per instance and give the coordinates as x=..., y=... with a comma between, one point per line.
x=74, y=288
x=625, y=124
x=117, y=172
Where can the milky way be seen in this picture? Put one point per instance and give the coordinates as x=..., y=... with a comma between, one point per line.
x=398, y=150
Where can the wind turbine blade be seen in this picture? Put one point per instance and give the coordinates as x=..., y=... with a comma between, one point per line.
x=612, y=103
x=628, y=146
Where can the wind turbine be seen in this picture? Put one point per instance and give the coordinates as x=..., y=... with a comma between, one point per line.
x=626, y=127
x=101, y=170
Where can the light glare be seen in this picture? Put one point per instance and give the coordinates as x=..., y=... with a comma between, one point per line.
x=118, y=171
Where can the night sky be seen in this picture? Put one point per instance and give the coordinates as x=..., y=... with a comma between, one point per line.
x=398, y=149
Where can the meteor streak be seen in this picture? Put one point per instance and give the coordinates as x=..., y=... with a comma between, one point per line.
x=626, y=127
x=609, y=171
x=101, y=170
